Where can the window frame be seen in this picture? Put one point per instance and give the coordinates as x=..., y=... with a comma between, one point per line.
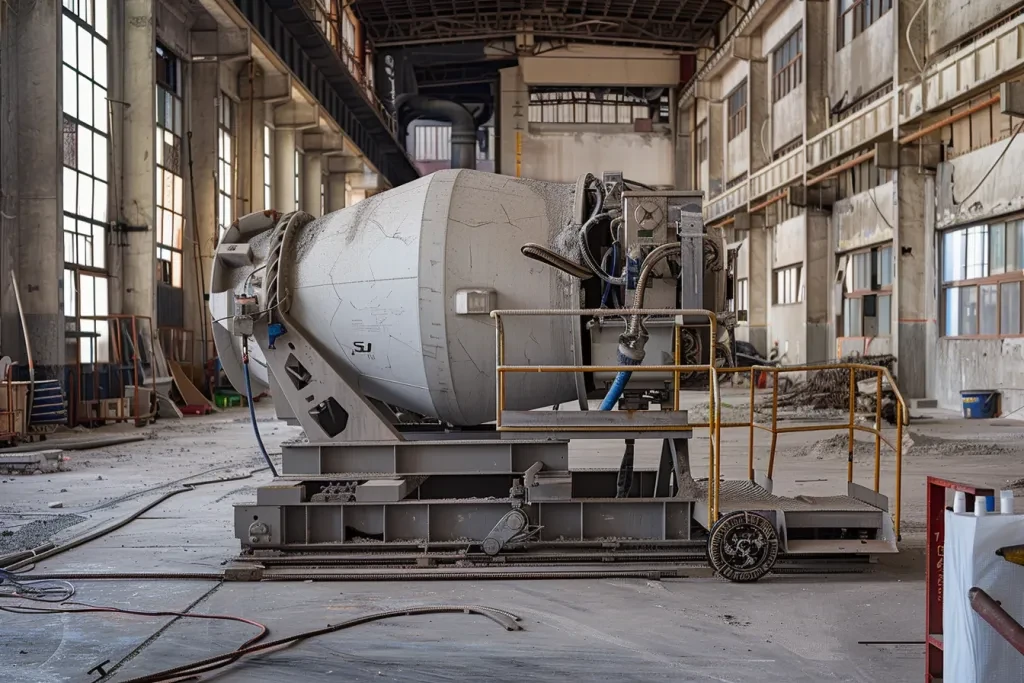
x=169, y=171
x=789, y=75
x=861, y=15
x=796, y=269
x=268, y=166
x=736, y=111
x=876, y=255
x=1012, y=274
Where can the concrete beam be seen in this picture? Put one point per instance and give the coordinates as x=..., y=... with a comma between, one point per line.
x=370, y=182
x=296, y=114
x=220, y=44
x=323, y=142
x=345, y=164
x=272, y=88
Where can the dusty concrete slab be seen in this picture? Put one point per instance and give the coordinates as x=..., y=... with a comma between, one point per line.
x=780, y=629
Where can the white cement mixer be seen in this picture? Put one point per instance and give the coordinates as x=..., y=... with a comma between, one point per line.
x=415, y=335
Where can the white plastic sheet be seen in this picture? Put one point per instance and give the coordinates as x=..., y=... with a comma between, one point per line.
x=973, y=652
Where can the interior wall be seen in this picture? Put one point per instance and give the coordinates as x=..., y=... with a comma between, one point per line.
x=864, y=64
x=552, y=152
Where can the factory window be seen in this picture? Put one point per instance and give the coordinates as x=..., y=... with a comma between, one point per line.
x=786, y=286
x=855, y=16
x=297, y=188
x=981, y=280
x=737, y=100
x=432, y=141
x=85, y=174
x=703, y=144
x=586, y=106
x=85, y=138
x=170, y=191
x=787, y=65
x=268, y=168
x=323, y=196
x=867, y=292
x=225, y=162
x=740, y=303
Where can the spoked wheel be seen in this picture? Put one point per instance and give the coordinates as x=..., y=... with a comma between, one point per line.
x=743, y=546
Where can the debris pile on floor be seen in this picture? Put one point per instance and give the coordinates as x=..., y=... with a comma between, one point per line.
x=914, y=445
x=829, y=389
x=34, y=534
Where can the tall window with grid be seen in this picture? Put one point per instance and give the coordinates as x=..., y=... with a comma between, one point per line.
x=225, y=162
x=867, y=292
x=268, y=168
x=170, y=190
x=737, y=110
x=298, y=179
x=787, y=65
x=85, y=179
x=855, y=16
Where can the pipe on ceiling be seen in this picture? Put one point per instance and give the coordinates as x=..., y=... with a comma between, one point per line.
x=464, y=124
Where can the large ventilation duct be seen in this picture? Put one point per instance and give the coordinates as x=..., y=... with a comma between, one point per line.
x=463, y=122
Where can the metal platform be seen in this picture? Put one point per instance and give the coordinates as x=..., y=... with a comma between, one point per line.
x=856, y=523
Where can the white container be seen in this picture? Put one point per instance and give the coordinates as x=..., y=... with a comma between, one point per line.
x=1006, y=502
x=960, y=502
x=980, y=506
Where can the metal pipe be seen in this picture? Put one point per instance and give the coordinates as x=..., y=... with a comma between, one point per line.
x=768, y=202
x=775, y=425
x=849, y=445
x=899, y=465
x=878, y=429
x=676, y=355
x=463, y=143
x=949, y=119
x=750, y=444
x=659, y=253
x=991, y=611
x=840, y=168
x=718, y=440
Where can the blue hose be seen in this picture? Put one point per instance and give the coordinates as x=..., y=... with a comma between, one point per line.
x=252, y=413
x=618, y=384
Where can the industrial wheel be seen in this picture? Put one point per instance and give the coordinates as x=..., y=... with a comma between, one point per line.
x=742, y=546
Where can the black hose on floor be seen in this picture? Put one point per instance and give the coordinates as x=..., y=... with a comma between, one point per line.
x=252, y=406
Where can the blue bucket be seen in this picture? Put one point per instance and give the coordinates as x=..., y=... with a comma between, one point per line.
x=978, y=404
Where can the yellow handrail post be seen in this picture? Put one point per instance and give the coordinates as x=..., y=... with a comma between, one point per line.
x=677, y=352
x=853, y=406
x=750, y=442
x=711, y=451
x=899, y=462
x=718, y=441
x=775, y=421
x=878, y=429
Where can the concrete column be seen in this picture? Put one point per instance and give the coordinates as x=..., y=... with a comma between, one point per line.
x=759, y=291
x=513, y=105
x=818, y=276
x=760, y=113
x=312, y=177
x=202, y=92
x=336, y=189
x=916, y=328
x=816, y=55
x=10, y=325
x=682, y=127
x=915, y=332
x=716, y=149
x=251, y=119
x=34, y=244
x=138, y=257
x=284, y=169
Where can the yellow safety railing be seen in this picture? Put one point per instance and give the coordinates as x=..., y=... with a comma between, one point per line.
x=714, y=423
x=851, y=426
x=677, y=369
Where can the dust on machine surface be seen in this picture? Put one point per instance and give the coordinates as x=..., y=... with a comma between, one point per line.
x=420, y=339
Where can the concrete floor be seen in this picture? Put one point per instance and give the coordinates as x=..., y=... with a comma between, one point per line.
x=780, y=629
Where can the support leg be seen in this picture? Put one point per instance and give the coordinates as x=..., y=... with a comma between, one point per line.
x=625, y=480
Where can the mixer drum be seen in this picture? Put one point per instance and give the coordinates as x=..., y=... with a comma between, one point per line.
x=376, y=285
